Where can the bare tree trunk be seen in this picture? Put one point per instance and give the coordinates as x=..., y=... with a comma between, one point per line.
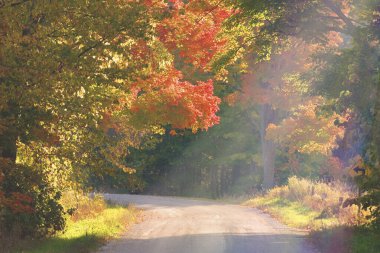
x=267, y=115
x=9, y=134
x=8, y=138
x=8, y=148
x=215, y=182
x=269, y=156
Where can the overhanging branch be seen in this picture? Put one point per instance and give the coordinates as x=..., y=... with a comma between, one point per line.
x=339, y=13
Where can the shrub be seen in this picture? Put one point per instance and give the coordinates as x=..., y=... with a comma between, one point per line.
x=29, y=203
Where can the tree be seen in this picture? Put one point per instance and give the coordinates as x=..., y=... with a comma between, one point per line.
x=77, y=79
x=264, y=85
x=347, y=74
x=353, y=83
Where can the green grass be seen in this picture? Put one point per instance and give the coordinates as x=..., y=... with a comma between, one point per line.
x=291, y=213
x=344, y=239
x=365, y=240
x=84, y=236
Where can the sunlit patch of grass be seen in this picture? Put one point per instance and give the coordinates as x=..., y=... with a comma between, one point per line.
x=318, y=207
x=291, y=213
x=108, y=224
x=304, y=203
x=85, y=235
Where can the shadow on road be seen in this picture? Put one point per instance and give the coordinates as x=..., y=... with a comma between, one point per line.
x=213, y=243
x=149, y=202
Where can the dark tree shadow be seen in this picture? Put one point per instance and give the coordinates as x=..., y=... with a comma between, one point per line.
x=214, y=243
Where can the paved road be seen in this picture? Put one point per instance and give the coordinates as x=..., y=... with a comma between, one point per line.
x=177, y=225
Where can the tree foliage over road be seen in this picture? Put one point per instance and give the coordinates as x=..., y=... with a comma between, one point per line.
x=81, y=81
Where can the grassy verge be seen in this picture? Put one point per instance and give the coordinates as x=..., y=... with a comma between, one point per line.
x=291, y=213
x=85, y=235
x=317, y=207
x=344, y=239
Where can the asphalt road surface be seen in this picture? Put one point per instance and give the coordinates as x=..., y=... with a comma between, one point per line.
x=178, y=225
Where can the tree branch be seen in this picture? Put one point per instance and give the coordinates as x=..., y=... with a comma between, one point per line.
x=207, y=13
x=101, y=42
x=339, y=13
x=3, y=3
x=18, y=3
x=85, y=51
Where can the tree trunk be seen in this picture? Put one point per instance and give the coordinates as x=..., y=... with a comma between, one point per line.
x=267, y=115
x=9, y=134
x=8, y=148
x=269, y=156
x=215, y=182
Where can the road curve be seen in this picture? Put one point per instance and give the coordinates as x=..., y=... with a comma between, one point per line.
x=178, y=225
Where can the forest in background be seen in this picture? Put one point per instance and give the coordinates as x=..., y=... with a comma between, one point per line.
x=192, y=98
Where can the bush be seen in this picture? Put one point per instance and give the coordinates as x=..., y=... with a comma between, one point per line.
x=29, y=203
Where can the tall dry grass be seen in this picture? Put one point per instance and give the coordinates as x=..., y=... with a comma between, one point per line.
x=81, y=206
x=325, y=198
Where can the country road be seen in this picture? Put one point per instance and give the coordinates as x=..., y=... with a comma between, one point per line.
x=178, y=225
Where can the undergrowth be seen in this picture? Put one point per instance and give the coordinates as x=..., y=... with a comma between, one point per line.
x=318, y=207
x=304, y=203
x=92, y=222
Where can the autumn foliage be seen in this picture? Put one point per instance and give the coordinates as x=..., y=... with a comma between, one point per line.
x=192, y=30
x=15, y=201
x=83, y=81
x=166, y=99
x=188, y=33
x=306, y=132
